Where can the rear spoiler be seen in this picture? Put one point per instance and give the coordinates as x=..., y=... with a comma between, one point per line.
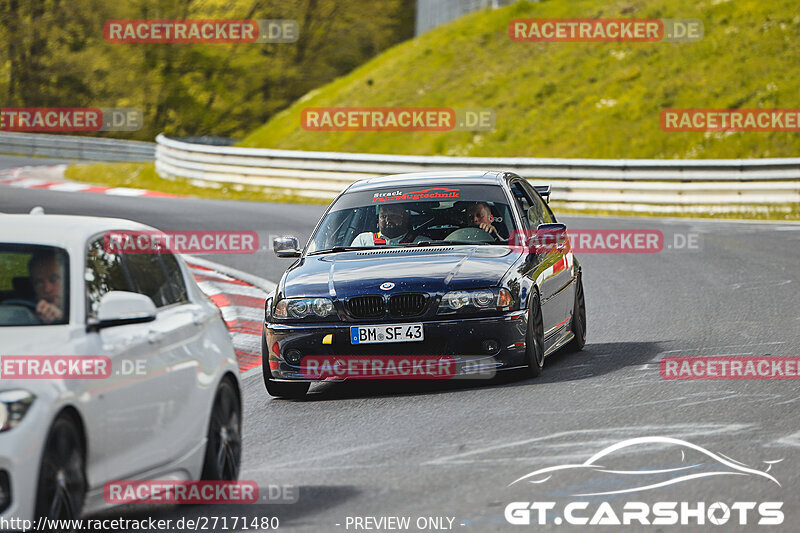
x=544, y=192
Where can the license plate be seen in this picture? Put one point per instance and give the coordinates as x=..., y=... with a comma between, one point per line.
x=386, y=333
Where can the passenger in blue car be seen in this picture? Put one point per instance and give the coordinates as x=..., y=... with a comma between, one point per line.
x=393, y=228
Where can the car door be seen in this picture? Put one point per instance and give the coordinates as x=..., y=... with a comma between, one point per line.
x=180, y=376
x=111, y=412
x=558, y=261
x=149, y=398
x=538, y=268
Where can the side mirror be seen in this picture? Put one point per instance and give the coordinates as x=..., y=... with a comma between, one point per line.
x=119, y=308
x=549, y=238
x=286, y=247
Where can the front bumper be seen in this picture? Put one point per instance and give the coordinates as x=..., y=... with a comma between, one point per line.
x=463, y=339
x=20, y=456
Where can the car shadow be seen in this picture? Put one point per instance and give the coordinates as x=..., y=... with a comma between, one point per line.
x=594, y=360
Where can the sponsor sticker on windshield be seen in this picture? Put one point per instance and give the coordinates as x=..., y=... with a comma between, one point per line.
x=435, y=193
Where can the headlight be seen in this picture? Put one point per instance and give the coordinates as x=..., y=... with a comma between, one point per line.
x=475, y=300
x=267, y=306
x=13, y=406
x=304, y=307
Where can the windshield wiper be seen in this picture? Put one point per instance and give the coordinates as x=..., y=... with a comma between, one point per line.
x=341, y=249
x=445, y=243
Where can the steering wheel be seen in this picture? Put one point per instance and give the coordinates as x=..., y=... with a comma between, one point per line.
x=20, y=302
x=474, y=234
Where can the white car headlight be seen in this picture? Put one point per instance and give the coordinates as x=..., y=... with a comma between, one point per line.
x=13, y=406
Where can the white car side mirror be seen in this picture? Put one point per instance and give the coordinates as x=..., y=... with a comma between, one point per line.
x=118, y=308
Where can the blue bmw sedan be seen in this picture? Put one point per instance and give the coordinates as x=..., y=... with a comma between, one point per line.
x=425, y=275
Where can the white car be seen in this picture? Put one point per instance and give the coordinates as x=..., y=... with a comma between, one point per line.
x=170, y=406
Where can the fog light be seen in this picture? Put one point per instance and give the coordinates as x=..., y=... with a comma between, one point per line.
x=490, y=346
x=5, y=491
x=293, y=357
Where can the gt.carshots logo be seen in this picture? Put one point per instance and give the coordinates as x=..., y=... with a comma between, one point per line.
x=681, y=461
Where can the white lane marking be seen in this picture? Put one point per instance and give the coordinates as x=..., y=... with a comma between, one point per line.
x=755, y=285
x=790, y=440
x=27, y=182
x=70, y=187
x=321, y=457
x=122, y=191
x=571, y=447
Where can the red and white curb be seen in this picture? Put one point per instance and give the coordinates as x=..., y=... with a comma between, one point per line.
x=240, y=297
x=16, y=177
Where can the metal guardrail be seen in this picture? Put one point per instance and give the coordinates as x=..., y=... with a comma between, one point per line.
x=633, y=184
x=76, y=147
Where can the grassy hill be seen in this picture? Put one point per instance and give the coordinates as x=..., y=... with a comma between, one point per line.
x=597, y=100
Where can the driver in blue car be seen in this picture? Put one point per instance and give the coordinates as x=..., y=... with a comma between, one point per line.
x=393, y=228
x=47, y=278
x=479, y=215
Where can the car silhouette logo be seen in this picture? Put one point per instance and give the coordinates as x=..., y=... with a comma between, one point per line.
x=386, y=285
x=695, y=462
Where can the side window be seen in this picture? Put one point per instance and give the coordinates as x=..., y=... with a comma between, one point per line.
x=540, y=212
x=149, y=278
x=523, y=202
x=104, y=273
x=174, y=279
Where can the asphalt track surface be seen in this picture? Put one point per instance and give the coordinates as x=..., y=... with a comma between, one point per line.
x=452, y=450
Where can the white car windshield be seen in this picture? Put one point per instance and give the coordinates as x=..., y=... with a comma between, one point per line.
x=34, y=285
x=415, y=216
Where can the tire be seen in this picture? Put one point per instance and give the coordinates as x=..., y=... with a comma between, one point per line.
x=61, y=488
x=224, y=442
x=534, y=338
x=578, y=325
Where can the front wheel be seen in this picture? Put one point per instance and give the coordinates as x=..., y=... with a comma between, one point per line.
x=578, y=319
x=224, y=442
x=534, y=338
x=62, y=476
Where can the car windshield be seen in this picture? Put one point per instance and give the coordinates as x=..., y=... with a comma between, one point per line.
x=416, y=216
x=34, y=285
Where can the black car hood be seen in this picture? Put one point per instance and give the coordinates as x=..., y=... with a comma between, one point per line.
x=428, y=270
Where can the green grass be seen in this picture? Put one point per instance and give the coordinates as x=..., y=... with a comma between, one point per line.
x=576, y=100
x=143, y=176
